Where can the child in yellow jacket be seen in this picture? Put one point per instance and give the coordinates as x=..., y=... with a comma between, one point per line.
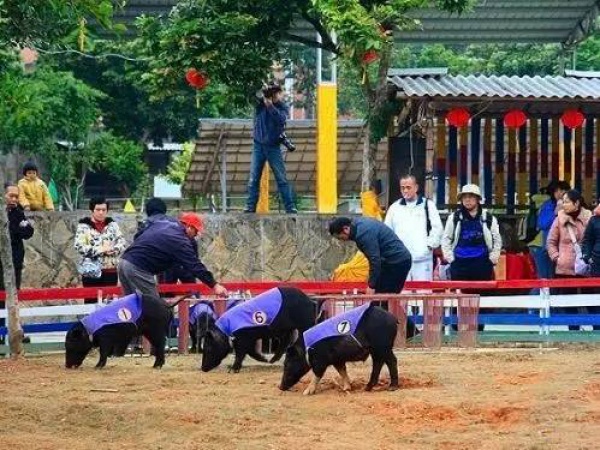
x=33, y=192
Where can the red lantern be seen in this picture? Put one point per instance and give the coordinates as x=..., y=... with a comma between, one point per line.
x=515, y=118
x=197, y=79
x=370, y=56
x=458, y=117
x=572, y=118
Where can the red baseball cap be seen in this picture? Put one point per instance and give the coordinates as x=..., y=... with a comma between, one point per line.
x=192, y=220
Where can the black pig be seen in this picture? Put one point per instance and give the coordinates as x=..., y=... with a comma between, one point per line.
x=112, y=327
x=274, y=314
x=351, y=336
x=202, y=317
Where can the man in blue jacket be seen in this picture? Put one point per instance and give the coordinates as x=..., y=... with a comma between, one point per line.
x=269, y=125
x=546, y=216
x=164, y=245
x=389, y=260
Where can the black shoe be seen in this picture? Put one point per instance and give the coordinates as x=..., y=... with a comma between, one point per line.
x=292, y=211
x=248, y=211
x=26, y=340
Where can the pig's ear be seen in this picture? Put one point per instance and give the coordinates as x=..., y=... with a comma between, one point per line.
x=78, y=333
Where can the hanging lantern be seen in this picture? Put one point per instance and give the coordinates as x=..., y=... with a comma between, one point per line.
x=370, y=56
x=458, y=117
x=515, y=118
x=197, y=79
x=572, y=118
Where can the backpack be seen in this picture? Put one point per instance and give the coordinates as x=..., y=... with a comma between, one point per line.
x=529, y=230
x=457, y=216
x=427, y=220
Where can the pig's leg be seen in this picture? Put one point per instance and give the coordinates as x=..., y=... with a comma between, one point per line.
x=318, y=373
x=105, y=350
x=158, y=339
x=255, y=352
x=240, y=350
x=346, y=385
x=194, y=338
x=375, y=371
x=284, y=342
x=392, y=364
x=311, y=389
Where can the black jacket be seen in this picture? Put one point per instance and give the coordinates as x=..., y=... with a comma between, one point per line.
x=590, y=246
x=20, y=229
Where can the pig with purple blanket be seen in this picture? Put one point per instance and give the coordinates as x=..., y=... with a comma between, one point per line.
x=351, y=336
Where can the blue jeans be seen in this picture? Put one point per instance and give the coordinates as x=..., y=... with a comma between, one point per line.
x=260, y=155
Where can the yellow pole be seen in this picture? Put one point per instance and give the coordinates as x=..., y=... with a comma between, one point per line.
x=327, y=198
x=262, y=207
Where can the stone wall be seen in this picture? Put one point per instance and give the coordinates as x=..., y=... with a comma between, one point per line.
x=235, y=247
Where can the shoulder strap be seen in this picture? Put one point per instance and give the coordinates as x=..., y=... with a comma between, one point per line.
x=488, y=218
x=456, y=217
x=571, y=234
x=427, y=220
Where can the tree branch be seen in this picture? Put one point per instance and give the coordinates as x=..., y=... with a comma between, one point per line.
x=310, y=42
x=319, y=28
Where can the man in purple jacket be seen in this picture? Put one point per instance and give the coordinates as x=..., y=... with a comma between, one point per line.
x=163, y=245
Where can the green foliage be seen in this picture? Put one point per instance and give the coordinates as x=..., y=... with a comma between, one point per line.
x=121, y=158
x=48, y=21
x=39, y=108
x=234, y=42
x=179, y=166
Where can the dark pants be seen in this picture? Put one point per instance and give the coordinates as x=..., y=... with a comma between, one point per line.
x=108, y=278
x=575, y=309
x=472, y=269
x=391, y=281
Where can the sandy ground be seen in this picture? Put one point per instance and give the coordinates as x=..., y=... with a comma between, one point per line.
x=483, y=399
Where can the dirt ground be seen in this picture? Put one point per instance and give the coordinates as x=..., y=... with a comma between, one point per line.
x=477, y=399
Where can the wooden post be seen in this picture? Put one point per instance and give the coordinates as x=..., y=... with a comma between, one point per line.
x=262, y=207
x=183, y=314
x=440, y=193
x=488, y=170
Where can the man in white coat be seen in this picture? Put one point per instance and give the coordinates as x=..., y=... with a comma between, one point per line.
x=416, y=221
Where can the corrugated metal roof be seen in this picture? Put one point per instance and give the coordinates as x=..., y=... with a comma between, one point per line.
x=520, y=21
x=232, y=139
x=514, y=87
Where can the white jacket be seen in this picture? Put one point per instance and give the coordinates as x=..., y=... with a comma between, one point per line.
x=491, y=235
x=409, y=222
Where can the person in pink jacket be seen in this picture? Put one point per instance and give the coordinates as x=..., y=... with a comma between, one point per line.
x=570, y=223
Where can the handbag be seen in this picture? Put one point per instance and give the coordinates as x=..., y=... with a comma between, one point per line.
x=582, y=268
x=90, y=267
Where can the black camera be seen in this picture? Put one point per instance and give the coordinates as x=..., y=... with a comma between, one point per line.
x=269, y=90
x=285, y=141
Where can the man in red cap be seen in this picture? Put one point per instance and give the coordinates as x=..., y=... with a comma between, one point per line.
x=193, y=224
x=164, y=245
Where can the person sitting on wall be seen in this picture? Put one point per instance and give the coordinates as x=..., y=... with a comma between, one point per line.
x=33, y=192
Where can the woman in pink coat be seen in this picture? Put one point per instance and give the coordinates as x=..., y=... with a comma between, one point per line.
x=571, y=220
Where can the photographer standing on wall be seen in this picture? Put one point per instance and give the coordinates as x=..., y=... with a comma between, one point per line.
x=269, y=133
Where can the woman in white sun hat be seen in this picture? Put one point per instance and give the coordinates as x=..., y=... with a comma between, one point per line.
x=471, y=242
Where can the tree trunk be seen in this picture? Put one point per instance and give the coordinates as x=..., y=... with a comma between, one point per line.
x=377, y=97
x=368, y=162
x=12, y=303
